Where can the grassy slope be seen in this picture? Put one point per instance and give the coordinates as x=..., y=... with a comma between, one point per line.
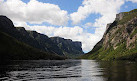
x=119, y=53
x=12, y=49
x=110, y=54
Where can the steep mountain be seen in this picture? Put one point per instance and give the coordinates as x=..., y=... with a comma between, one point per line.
x=13, y=43
x=70, y=48
x=119, y=40
x=37, y=40
x=31, y=38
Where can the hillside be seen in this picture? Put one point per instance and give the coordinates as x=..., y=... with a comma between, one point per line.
x=12, y=49
x=69, y=48
x=57, y=45
x=39, y=41
x=119, y=41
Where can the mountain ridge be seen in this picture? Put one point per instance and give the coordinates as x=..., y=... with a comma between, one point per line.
x=32, y=38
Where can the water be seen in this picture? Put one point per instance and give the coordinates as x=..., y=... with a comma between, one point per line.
x=68, y=70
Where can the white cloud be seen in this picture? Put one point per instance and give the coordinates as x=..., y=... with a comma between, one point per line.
x=103, y=7
x=134, y=1
x=33, y=12
x=89, y=24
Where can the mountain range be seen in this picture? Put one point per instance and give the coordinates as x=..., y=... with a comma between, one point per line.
x=18, y=43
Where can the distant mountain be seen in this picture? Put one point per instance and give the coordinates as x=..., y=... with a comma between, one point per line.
x=57, y=45
x=70, y=48
x=32, y=39
x=119, y=40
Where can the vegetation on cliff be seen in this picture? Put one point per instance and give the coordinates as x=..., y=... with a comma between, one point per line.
x=119, y=40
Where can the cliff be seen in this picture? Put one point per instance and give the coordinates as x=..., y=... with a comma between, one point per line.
x=70, y=48
x=39, y=41
x=119, y=40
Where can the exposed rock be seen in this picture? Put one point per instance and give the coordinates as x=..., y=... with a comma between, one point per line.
x=120, y=16
x=108, y=25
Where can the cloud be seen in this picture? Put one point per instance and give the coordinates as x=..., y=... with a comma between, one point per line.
x=108, y=9
x=134, y=1
x=103, y=7
x=33, y=12
x=89, y=24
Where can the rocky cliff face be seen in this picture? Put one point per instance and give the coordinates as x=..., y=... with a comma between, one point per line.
x=57, y=45
x=68, y=46
x=120, y=16
x=119, y=40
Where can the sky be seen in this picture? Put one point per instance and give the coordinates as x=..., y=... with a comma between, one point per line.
x=79, y=20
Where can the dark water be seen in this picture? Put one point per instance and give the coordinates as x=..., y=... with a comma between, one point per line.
x=68, y=70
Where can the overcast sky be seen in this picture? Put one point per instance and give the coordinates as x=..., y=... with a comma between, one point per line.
x=79, y=20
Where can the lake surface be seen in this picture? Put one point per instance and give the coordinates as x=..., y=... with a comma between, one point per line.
x=68, y=70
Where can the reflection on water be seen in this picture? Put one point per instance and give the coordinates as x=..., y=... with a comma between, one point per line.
x=68, y=70
x=120, y=70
